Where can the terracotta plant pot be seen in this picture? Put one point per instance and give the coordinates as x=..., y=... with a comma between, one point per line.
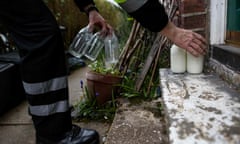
x=101, y=86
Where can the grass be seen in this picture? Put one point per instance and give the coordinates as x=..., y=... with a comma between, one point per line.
x=88, y=108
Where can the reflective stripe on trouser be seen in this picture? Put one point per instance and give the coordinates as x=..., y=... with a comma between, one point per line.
x=50, y=104
x=131, y=5
x=43, y=66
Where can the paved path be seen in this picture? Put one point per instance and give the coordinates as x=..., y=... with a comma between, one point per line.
x=16, y=125
x=139, y=123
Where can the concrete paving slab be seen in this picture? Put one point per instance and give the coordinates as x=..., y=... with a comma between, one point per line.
x=137, y=124
x=17, y=134
x=25, y=133
x=17, y=115
x=16, y=125
x=200, y=109
x=74, y=79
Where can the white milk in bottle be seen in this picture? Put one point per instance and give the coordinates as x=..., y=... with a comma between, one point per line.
x=177, y=59
x=194, y=64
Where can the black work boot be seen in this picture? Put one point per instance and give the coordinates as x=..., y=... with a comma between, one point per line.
x=76, y=136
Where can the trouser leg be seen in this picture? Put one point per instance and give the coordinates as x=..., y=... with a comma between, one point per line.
x=43, y=66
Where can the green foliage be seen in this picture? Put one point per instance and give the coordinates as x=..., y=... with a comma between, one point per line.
x=127, y=88
x=88, y=109
x=129, y=91
x=99, y=67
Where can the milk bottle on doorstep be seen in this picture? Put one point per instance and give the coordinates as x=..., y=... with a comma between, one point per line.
x=194, y=64
x=177, y=59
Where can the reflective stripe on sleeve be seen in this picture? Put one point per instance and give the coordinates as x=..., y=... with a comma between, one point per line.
x=46, y=110
x=44, y=87
x=120, y=1
x=131, y=5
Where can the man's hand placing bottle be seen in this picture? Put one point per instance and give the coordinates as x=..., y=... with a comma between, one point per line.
x=193, y=42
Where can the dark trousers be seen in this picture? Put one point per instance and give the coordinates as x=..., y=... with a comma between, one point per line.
x=43, y=66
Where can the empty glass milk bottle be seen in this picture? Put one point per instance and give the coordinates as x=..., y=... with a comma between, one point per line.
x=94, y=46
x=111, y=44
x=80, y=42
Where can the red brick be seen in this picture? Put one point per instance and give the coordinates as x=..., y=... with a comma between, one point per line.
x=190, y=6
x=192, y=15
x=192, y=22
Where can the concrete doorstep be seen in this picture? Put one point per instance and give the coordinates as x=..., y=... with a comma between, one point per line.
x=200, y=109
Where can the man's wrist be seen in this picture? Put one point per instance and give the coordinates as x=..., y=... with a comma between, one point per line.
x=169, y=31
x=90, y=8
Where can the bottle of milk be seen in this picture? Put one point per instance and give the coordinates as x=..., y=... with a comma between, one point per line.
x=177, y=59
x=194, y=64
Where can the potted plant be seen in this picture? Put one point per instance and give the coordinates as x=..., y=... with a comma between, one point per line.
x=102, y=82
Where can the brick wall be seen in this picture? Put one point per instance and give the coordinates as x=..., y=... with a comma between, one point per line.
x=193, y=15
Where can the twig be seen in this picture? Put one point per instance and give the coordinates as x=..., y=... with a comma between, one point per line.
x=130, y=53
x=127, y=45
x=156, y=63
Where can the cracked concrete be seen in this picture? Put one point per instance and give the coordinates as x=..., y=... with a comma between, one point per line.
x=200, y=109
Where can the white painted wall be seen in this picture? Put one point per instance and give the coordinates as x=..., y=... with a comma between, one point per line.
x=218, y=18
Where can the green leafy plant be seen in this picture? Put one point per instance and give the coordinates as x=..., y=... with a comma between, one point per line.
x=88, y=109
x=127, y=88
x=99, y=67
